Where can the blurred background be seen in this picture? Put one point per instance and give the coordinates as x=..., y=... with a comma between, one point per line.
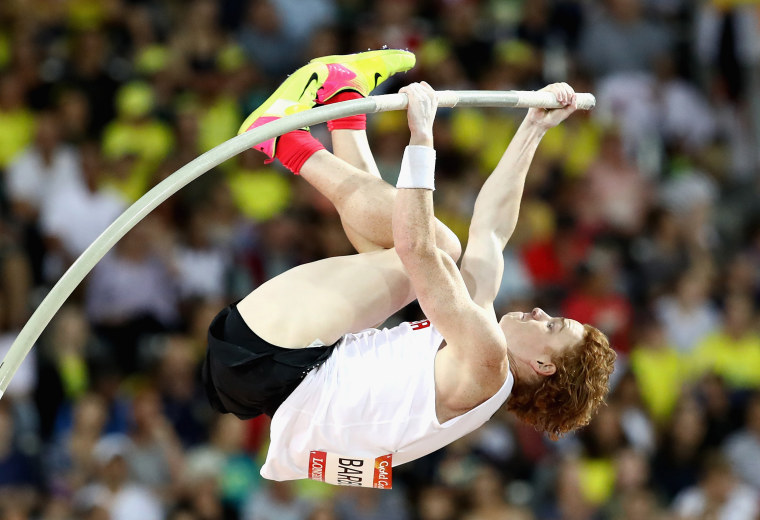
x=640, y=217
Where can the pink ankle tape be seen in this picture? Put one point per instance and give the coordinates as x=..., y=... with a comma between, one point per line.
x=295, y=148
x=357, y=122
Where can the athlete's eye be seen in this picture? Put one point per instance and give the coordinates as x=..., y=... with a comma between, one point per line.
x=550, y=325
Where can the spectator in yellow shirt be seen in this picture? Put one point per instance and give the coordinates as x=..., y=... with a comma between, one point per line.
x=733, y=352
x=17, y=122
x=136, y=133
x=659, y=371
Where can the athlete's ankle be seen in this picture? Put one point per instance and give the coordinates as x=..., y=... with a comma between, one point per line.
x=357, y=122
x=295, y=148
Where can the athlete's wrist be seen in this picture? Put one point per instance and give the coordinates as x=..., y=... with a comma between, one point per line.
x=421, y=138
x=535, y=129
x=417, y=168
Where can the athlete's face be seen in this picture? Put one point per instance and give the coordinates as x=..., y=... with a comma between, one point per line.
x=535, y=337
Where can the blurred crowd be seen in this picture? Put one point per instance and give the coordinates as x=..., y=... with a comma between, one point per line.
x=640, y=217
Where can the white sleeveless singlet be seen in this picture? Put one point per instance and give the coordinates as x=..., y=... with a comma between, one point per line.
x=374, y=396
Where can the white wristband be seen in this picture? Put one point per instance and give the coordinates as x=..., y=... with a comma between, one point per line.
x=417, y=168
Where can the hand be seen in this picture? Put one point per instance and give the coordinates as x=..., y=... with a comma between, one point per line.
x=423, y=103
x=549, y=118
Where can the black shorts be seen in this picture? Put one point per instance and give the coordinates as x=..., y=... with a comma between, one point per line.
x=245, y=375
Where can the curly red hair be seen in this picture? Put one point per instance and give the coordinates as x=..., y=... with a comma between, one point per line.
x=567, y=399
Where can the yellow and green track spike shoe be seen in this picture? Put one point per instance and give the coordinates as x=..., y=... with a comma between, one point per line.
x=296, y=94
x=361, y=72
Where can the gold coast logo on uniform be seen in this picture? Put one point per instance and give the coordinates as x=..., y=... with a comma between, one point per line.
x=351, y=471
x=383, y=472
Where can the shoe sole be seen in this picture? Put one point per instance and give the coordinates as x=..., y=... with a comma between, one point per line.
x=384, y=56
x=352, y=58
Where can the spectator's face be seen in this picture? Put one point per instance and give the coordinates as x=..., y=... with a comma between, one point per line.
x=692, y=289
x=11, y=92
x=739, y=314
x=183, y=515
x=393, y=12
x=91, y=48
x=718, y=485
x=71, y=331
x=263, y=17
x=639, y=505
x=205, y=499
x=632, y=470
x=605, y=429
x=177, y=369
x=229, y=434
x=653, y=337
x=6, y=431
x=535, y=337
x=688, y=428
x=436, y=504
x=204, y=11
x=753, y=416
x=98, y=513
x=74, y=109
x=612, y=149
x=487, y=489
x=115, y=472
x=625, y=10
x=146, y=408
x=48, y=132
x=90, y=415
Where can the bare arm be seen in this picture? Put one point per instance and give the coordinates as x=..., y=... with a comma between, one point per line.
x=498, y=203
x=470, y=331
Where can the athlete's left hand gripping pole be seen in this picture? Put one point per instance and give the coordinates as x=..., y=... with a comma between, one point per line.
x=194, y=169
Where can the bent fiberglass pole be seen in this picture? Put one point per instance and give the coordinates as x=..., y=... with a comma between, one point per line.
x=194, y=169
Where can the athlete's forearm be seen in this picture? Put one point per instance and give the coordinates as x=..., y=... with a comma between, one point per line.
x=413, y=216
x=413, y=223
x=498, y=203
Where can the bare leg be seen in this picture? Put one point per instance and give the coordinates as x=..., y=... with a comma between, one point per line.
x=364, y=201
x=353, y=147
x=328, y=298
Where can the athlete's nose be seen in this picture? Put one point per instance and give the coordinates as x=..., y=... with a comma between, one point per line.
x=538, y=314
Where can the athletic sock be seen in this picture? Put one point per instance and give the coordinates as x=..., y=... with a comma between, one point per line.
x=295, y=148
x=357, y=122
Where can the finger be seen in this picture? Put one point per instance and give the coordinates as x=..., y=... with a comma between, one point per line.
x=427, y=86
x=559, y=95
x=565, y=95
x=407, y=87
x=556, y=89
x=569, y=92
x=412, y=88
x=430, y=92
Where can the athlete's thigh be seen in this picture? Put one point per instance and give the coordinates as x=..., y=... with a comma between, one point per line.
x=327, y=299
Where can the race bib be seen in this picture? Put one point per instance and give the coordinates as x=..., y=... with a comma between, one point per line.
x=350, y=471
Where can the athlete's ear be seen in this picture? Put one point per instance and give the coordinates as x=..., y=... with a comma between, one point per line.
x=543, y=366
